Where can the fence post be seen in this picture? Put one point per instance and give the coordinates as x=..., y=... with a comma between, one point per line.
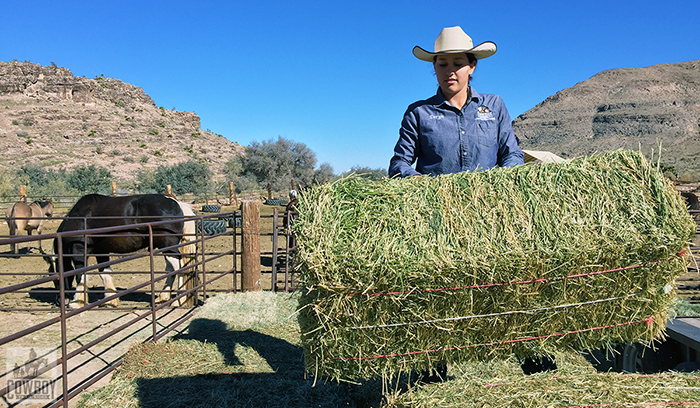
x=22, y=194
x=250, y=246
x=114, y=189
x=168, y=189
x=230, y=193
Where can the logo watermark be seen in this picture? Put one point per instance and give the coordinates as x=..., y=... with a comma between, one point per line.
x=31, y=373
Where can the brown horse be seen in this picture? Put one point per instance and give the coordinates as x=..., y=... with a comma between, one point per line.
x=27, y=218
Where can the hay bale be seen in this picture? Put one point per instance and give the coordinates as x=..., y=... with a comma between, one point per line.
x=403, y=273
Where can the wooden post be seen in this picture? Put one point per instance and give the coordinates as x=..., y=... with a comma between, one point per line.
x=168, y=189
x=114, y=189
x=23, y=194
x=250, y=246
x=230, y=193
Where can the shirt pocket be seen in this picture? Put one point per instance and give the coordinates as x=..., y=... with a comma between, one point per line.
x=487, y=132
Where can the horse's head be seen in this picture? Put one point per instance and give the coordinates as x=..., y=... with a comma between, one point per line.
x=46, y=207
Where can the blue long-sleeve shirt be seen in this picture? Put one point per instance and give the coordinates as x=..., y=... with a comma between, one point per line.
x=441, y=139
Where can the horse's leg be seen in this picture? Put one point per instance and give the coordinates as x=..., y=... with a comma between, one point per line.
x=80, y=298
x=108, y=282
x=38, y=232
x=67, y=281
x=29, y=245
x=172, y=263
x=12, y=225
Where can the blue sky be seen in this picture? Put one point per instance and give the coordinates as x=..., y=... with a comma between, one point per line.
x=337, y=76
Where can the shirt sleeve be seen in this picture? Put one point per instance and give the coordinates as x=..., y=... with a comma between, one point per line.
x=406, y=148
x=509, y=153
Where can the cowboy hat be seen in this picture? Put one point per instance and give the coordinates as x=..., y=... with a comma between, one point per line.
x=454, y=40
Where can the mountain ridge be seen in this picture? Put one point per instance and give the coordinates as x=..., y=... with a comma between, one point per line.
x=53, y=119
x=632, y=108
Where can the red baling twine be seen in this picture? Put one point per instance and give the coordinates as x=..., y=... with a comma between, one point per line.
x=649, y=320
x=489, y=285
x=632, y=404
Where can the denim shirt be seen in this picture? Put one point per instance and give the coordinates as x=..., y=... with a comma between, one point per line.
x=441, y=139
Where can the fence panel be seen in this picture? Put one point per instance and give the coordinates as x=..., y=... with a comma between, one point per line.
x=86, y=344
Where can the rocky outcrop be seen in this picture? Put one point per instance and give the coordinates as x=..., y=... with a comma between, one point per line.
x=623, y=108
x=54, y=119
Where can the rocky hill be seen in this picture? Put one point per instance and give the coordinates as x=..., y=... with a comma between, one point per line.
x=623, y=108
x=56, y=120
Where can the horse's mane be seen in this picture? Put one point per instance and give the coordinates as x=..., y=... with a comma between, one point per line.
x=43, y=203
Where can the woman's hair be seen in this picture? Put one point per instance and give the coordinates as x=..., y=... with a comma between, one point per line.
x=470, y=58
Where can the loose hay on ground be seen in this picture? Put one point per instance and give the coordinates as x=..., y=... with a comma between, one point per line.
x=402, y=273
x=575, y=384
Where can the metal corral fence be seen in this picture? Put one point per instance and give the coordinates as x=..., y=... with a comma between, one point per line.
x=68, y=350
x=689, y=286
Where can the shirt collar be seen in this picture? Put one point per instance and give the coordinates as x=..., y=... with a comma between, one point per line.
x=440, y=100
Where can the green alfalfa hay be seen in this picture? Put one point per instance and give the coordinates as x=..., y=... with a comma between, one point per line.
x=357, y=236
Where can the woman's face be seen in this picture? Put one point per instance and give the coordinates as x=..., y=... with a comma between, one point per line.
x=452, y=72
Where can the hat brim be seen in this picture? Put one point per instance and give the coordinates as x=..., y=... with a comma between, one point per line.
x=481, y=51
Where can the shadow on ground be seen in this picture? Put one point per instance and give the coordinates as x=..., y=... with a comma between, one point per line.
x=287, y=386
x=50, y=296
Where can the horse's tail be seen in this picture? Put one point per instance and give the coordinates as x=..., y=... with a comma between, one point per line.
x=189, y=235
x=10, y=218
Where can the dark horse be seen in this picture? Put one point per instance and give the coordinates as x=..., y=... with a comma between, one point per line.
x=98, y=211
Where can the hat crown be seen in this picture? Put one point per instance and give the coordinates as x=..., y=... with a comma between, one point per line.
x=453, y=38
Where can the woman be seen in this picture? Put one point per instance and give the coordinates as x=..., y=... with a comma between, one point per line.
x=458, y=129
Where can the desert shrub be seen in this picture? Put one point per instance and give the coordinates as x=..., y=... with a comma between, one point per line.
x=90, y=179
x=42, y=183
x=187, y=177
x=7, y=187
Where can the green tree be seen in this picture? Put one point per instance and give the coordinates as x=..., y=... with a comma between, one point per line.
x=278, y=162
x=90, y=179
x=233, y=170
x=323, y=174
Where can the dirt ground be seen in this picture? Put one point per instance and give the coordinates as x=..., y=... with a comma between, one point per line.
x=28, y=307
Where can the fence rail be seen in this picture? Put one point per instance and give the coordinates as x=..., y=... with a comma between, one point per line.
x=140, y=318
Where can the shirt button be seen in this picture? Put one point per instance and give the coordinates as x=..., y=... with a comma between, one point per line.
x=464, y=153
x=462, y=132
